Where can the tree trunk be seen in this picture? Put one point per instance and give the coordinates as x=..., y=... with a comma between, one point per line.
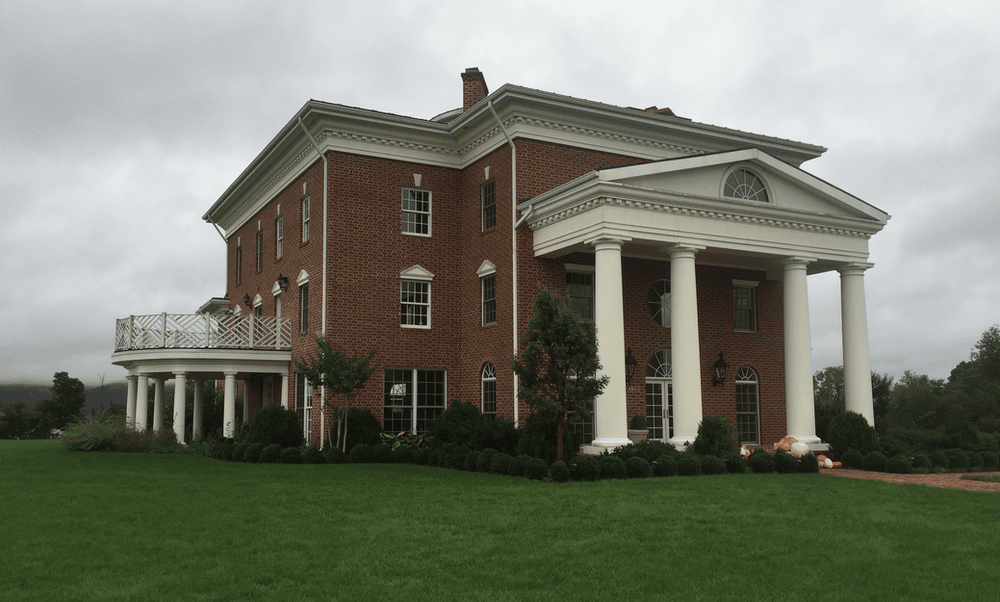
x=559, y=437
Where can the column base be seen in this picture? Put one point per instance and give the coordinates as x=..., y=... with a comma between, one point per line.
x=599, y=446
x=681, y=443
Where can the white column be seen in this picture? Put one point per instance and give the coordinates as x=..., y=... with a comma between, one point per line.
x=284, y=390
x=610, y=413
x=141, y=401
x=130, y=402
x=854, y=328
x=157, y=405
x=685, y=351
x=229, y=405
x=799, y=411
x=180, y=401
x=197, y=429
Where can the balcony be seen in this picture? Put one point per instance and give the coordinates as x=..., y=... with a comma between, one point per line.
x=202, y=331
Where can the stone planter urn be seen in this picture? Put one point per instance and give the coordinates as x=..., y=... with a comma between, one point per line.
x=637, y=431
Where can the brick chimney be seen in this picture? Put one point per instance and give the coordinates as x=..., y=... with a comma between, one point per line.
x=473, y=88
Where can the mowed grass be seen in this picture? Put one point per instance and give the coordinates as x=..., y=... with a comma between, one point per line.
x=105, y=526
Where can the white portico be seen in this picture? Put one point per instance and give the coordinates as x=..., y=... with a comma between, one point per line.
x=738, y=209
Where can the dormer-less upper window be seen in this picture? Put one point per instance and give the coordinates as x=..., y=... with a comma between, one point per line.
x=745, y=184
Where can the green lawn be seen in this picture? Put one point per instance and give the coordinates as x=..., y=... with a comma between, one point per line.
x=104, y=526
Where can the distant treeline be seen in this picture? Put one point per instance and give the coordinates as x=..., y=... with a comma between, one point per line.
x=30, y=395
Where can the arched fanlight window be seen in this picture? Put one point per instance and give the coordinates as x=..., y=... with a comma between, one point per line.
x=489, y=380
x=747, y=406
x=658, y=301
x=659, y=396
x=745, y=184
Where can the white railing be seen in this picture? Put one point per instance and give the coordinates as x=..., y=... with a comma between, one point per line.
x=162, y=331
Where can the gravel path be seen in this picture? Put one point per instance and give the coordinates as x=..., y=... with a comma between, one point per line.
x=949, y=480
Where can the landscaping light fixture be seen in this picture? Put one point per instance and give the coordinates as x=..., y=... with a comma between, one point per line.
x=630, y=365
x=721, y=368
x=246, y=299
x=283, y=282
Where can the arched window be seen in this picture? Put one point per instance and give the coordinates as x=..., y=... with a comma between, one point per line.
x=747, y=406
x=658, y=301
x=659, y=396
x=745, y=184
x=489, y=379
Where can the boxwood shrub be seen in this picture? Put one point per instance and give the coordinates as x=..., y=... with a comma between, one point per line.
x=689, y=465
x=402, y=455
x=290, y=455
x=270, y=453
x=536, y=469
x=485, y=457
x=735, y=464
x=275, y=424
x=761, y=462
x=636, y=468
x=469, y=464
x=252, y=454
x=360, y=454
x=939, y=459
x=665, y=466
x=958, y=459
x=785, y=463
x=559, y=471
x=421, y=455
x=585, y=468
x=875, y=462
x=716, y=437
x=899, y=464
x=518, y=465
x=612, y=467
x=808, y=463
x=976, y=461
x=500, y=464
x=853, y=459
x=312, y=455
x=921, y=462
x=713, y=465
x=991, y=461
x=239, y=452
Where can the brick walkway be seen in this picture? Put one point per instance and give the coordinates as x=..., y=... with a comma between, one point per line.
x=949, y=480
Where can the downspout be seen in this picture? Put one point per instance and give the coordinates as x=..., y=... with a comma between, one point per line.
x=326, y=184
x=513, y=239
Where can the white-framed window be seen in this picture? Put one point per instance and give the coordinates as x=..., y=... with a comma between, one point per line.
x=415, y=298
x=303, y=404
x=279, y=236
x=489, y=203
x=258, y=322
x=488, y=285
x=744, y=306
x=412, y=399
x=303, y=282
x=305, y=218
x=747, y=406
x=742, y=183
x=416, y=212
x=659, y=396
x=489, y=390
x=658, y=301
x=580, y=290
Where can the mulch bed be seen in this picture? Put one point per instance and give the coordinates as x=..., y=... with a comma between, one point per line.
x=948, y=480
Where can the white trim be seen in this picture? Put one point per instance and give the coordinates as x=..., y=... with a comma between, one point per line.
x=746, y=283
x=276, y=289
x=303, y=278
x=257, y=301
x=486, y=268
x=416, y=272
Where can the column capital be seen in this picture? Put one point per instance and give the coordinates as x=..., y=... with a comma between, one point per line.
x=180, y=373
x=681, y=249
x=607, y=241
x=796, y=261
x=854, y=268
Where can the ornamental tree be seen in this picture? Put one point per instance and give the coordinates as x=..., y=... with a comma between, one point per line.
x=558, y=363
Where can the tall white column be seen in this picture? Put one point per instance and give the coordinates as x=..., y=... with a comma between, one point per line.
x=180, y=401
x=854, y=328
x=229, y=405
x=157, y=405
x=130, y=402
x=610, y=413
x=799, y=411
x=197, y=420
x=141, y=401
x=284, y=390
x=685, y=352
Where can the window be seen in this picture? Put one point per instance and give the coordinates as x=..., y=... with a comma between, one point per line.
x=488, y=194
x=744, y=306
x=416, y=215
x=267, y=391
x=303, y=403
x=747, y=407
x=279, y=233
x=489, y=378
x=659, y=396
x=258, y=322
x=745, y=184
x=489, y=300
x=305, y=218
x=414, y=303
x=260, y=249
x=412, y=399
x=239, y=261
x=658, y=301
x=580, y=290
x=582, y=421
x=304, y=307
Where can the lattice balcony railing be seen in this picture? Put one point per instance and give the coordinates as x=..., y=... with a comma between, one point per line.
x=178, y=331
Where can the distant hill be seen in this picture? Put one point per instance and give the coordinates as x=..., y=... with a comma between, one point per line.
x=96, y=395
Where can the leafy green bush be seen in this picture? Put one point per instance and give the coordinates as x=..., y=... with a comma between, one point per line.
x=270, y=454
x=976, y=461
x=500, y=434
x=638, y=423
x=500, y=464
x=275, y=424
x=689, y=465
x=92, y=433
x=808, y=463
x=485, y=457
x=456, y=457
x=290, y=455
x=638, y=468
x=381, y=454
x=518, y=464
x=958, y=459
x=239, y=452
x=612, y=467
x=362, y=427
x=716, y=437
x=761, y=462
x=469, y=464
x=899, y=464
x=461, y=423
x=921, y=462
x=875, y=462
x=538, y=439
x=225, y=449
x=991, y=461
x=713, y=465
x=536, y=469
x=892, y=446
x=665, y=466
x=852, y=458
x=334, y=455
x=252, y=454
x=585, y=468
x=650, y=449
x=851, y=430
x=312, y=455
x=402, y=455
x=785, y=463
x=735, y=464
x=421, y=455
x=360, y=454
x=559, y=471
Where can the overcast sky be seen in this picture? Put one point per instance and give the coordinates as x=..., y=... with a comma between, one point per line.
x=122, y=122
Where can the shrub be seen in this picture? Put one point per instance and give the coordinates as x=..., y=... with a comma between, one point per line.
x=735, y=464
x=312, y=455
x=360, y=454
x=500, y=463
x=665, y=466
x=852, y=458
x=716, y=437
x=958, y=459
x=808, y=463
x=380, y=454
x=650, y=449
x=485, y=457
x=290, y=455
x=334, y=455
x=456, y=457
x=165, y=442
x=713, y=465
x=892, y=446
x=559, y=471
x=939, y=459
x=850, y=430
x=638, y=423
x=469, y=464
x=921, y=462
x=275, y=424
x=761, y=462
x=239, y=452
x=612, y=467
x=362, y=427
x=93, y=433
x=518, y=465
x=421, y=456
x=270, y=453
x=402, y=455
x=689, y=465
x=585, y=468
x=976, y=461
x=536, y=469
x=991, y=461
x=461, y=423
x=500, y=434
x=637, y=468
x=785, y=463
x=226, y=449
x=875, y=461
x=899, y=464
x=252, y=454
